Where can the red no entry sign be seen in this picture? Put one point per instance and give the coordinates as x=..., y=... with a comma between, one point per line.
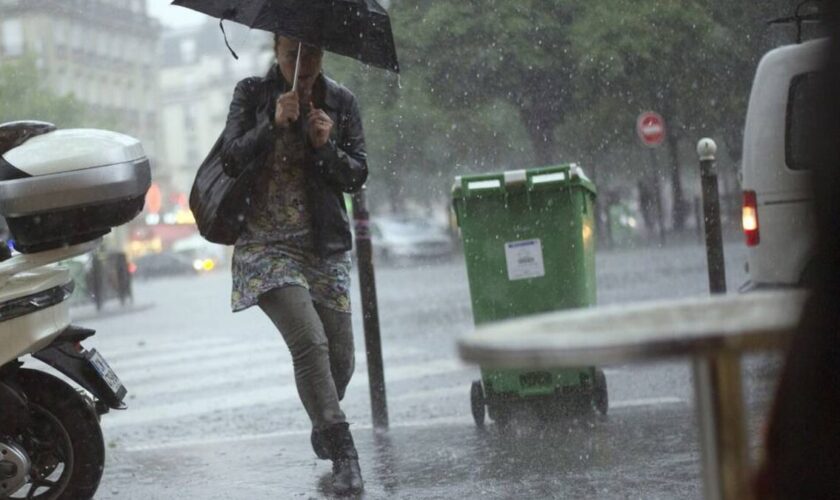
x=651, y=128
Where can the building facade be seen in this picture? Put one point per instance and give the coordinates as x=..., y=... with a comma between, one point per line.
x=197, y=78
x=103, y=52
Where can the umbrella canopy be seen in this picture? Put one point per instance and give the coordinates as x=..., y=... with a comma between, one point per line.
x=360, y=29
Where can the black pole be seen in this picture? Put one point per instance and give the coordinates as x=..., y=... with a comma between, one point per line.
x=706, y=150
x=97, y=279
x=698, y=219
x=657, y=196
x=370, y=312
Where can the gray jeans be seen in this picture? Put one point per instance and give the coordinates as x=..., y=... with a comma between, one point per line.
x=321, y=343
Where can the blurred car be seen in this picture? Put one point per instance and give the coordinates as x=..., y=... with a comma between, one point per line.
x=204, y=255
x=779, y=154
x=403, y=238
x=155, y=265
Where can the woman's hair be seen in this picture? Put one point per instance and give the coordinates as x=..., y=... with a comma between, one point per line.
x=277, y=41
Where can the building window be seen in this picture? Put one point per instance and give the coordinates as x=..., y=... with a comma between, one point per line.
x=75, y=37
x=188, y=51
x=11, y=42
x=59, y=34
x=189, y=121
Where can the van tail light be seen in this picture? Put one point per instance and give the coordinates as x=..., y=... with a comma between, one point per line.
x=749, y=218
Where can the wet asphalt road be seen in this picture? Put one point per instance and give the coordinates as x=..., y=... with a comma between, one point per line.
x=213, y=411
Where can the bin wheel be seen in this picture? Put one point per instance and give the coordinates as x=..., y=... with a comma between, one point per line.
x=502, y=417
x=600, y=397
x=477, y=403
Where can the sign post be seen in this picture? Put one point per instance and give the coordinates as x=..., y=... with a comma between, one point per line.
x=650, y=127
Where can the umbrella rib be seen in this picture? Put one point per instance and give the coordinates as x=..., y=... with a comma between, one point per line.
x=258, y=13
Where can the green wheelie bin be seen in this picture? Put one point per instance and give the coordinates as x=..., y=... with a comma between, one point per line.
x=529, y=244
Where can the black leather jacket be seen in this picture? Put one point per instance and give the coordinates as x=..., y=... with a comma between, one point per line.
x=338, y=167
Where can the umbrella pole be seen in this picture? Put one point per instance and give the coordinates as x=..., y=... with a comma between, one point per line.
x=297, y=67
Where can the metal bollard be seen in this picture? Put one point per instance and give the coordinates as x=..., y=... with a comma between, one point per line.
x=370, y=312
x=706, y=150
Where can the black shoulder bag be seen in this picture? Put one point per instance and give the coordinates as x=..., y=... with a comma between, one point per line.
x=218, y=201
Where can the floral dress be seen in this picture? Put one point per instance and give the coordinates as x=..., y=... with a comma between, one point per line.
x=276, y=247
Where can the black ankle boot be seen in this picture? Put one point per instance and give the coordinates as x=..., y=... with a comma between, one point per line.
x=318, y=446
x=347, y=476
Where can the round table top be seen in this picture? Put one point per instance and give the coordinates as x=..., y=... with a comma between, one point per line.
x=639, y=331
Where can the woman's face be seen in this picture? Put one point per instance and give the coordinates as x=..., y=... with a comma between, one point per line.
x=310, y=63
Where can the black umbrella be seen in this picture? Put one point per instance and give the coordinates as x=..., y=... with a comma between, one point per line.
x=359, y=29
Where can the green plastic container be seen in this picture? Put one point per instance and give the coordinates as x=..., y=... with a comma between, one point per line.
x=529, y=244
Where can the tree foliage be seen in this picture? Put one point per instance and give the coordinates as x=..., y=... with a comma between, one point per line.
x=24, y=96
x=498, y=84
x=478, y=52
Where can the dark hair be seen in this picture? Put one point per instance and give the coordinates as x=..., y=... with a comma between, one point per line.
x=277, y=40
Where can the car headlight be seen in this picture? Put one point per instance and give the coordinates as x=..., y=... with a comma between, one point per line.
x=204, y=264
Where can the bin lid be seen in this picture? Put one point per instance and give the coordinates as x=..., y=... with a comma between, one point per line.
x=542, y=178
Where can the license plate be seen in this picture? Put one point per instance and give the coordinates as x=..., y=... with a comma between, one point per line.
x=105, y=371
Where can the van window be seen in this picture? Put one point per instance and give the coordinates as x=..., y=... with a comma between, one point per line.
x=802, y=145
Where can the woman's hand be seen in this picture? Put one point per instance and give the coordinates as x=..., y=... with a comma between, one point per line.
x=320, y=126
x=287, y=110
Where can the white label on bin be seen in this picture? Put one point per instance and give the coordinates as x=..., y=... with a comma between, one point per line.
x=524, y=259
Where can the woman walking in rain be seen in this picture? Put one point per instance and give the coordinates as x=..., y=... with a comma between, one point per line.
x=302, y=132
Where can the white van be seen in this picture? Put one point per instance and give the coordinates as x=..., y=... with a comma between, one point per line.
x=779, y=152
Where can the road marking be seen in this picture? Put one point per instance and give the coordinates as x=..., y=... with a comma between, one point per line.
x=198, y=352
x=194, y=362
x=268, y=366
x=429, y=422
x=634, y=403
x=266, y=394
x=155, y=346
x=154, y=372
x=443, y=392
x=440, y=392
x=423, y=423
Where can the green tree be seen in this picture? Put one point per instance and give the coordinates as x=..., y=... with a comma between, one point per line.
x=24, y=96
x=691, y=60
x=652, y=54
x=747, y=37
x=416, y=145
x=496, y=84
x=479, y=53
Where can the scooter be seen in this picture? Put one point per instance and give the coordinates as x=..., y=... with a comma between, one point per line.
x=60, y=192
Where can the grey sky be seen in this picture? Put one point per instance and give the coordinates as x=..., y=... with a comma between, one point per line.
x=172, y=16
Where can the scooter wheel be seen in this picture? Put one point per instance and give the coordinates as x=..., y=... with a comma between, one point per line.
x=477, y=403
x=63, y=440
